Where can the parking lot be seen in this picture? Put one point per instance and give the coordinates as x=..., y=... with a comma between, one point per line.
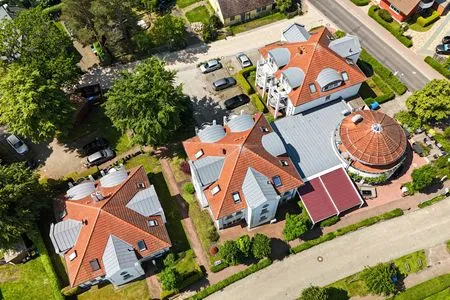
x=208, y=103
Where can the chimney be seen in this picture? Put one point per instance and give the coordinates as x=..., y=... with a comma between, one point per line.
x=94, y=197
x=99, y=195
x=214, y=122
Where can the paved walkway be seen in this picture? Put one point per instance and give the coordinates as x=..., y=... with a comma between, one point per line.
x=345, y=255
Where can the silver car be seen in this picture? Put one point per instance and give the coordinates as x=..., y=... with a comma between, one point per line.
x=17, y=144
x=99, y=157
x=210, y=66
x=243, y=60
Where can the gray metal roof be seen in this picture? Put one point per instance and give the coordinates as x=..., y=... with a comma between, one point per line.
x=145, y=202
x=81, y=190
x=212, y=133
x=114, y=177
x=208, y=169
x=64, y=234
x=273, y=144
x=295, y=33
x=308, y=138
x=118, y=255
x=257, y=189
x=327, y=76
x=281, y=56
x=346, y=46
x=241, y=123
x=294, y=76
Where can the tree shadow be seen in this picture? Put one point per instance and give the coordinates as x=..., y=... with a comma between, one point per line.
x=188, y=55
x=312, y=234
x=337, y=294
x=280, y=249
x=366, y=68
x=207, y=109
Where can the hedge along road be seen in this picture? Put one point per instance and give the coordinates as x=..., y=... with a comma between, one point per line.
x=345, y=255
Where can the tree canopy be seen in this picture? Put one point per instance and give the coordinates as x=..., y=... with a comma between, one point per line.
x=295, y=226
x=230, y=253
x=432, y=103
x=314, y=293
x=147, y=103
x=423, y=177
x=244, y=244
x=284, y=5
x=261, y=246
x=169, y=278
x=379, y=279
x=169, y=30
x=21, y=198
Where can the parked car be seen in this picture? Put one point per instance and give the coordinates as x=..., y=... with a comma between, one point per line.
x=417, y=148
x=93, y=146
x=243, y=60
x=446, y=39
x=236, y=101
x=223, y=83
x=99, y=157
x=210, y=66
x=443, y=49
x=17, y=144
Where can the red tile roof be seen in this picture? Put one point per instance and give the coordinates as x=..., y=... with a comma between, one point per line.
x=243, y=150
x=111, y=216
x=376, y=140
x=313, y=56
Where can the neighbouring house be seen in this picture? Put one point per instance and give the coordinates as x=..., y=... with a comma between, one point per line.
x=237, y=11
x=107, y=228
x=401, y=10
x=241, y=170
x=4, y=14
x=307, y=69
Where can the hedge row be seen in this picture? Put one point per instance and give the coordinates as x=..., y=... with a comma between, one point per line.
x=361, y=2
x=233, y=278
x=424, y=22
x=219, y=268
x=328, y=237
x=330, y=221
x=53, y=9
x=385, y=74
x=432, y=201
x=425, y=289
x=242, y=80
x=437, y=66
x=395, y=32
x=258, y=103
x=187, y=280
x=387, y=95
x=47, y=264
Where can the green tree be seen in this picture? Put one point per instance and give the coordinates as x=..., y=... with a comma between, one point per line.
x=284, y=5
x=169, y=30
x=295, y=226
x=423, y=177
x=244, y=243
x=378, y=279
x=209, y=32
x=261, y=246
x=170, y=260
x=432, y=103
x=32, y=106
x=32, y=39
x=21, y=199
x=230, y=253
x=147, y=103
x=314, y=293
x=169, y=278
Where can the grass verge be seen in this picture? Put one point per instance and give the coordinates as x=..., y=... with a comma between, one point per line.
x=426, y=289
x=235, y=29
x=198, y=14
x=135, y=290
x=411, y=263
x=185, y=3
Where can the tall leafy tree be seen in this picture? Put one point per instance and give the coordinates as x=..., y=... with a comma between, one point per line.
x=20, y=202
x=423, y=177
x=147, y=103
x=169, y=30
x=432, y=103
x=230, y=253
x=261, y=246
x=295, y=226
x=284, y=5
x=31, y=105
x=32, y=39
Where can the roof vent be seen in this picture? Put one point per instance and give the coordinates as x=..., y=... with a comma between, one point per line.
x=357, y=118
x=345, y=112
x=377, y=128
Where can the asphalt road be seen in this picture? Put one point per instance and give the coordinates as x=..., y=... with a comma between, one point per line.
x=345, y=255
x=384, y=52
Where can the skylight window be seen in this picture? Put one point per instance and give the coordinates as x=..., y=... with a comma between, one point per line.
x=277, y=181
x=73, y=255
x=141, y=245
x=264, y=129
x=152, y=223
x=284, y=163
x=199, y=154
x=344, y=76
x=141, y=185
x=215, y=190
x=312, y=88
x=94, y=265
x=236, y=197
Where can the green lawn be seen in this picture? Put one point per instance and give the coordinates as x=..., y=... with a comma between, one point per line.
x=431, y=289
x=185, y=3
x=448, y=245
x=133, y=291
x=443, y=295
x=354, y=285
x=198, y=14
x=410, y=263
x=257, y=22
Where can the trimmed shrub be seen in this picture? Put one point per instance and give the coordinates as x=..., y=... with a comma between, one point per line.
x=361, y=2
x=432, y=201
x=258, y=103
x=295, y=226
x=385, y=15
x=330, y=221
x=437, y=66
x=339, y=34
x=213, y=235
x=244, y=243
x=261, y=246
x=242, y=81
x=314, y=293
x=189, y=188
x=169, y=279
x=230, y=252
x=424, y=22
x=219, y=268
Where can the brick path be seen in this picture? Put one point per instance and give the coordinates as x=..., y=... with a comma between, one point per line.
x=154, y=287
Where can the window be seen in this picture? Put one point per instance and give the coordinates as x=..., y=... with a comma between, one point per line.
x=152, y=223
x=94, y=265
x=127, y=276
x=344, y=76
x=141, y=245
x=199, y=154
x=258, y=10
x=332, y=85
x=277, y=181
x=141, y=185
x=264, y=129
x=215, y=190
x=265, y=205
x=236, y=197
x=263, y=8
x=123, y=273
x=395, y=9
x=239, y=213
x=327, y=98
x=262, y=219
x=229, y=217
x=73, y=255
x=264, y=211
x=224, y=151
x=312, y=88
x=284, y=163
x=232, y=18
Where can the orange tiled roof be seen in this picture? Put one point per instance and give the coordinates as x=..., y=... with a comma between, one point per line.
x=311, y=57
x=111, y=216
x=376, y=140
x=241, y=151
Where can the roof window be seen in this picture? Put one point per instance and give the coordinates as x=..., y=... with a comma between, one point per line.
x=312, y=88
x=236, y=197
x=277, y=181
x=140, y=185
x=284, y=163
x=152, y=223
x=73, y=255
x=344, y=76
x=264, y=129
x=199, y=154
x=215, y=190
x=94, y=265
x=141, y=245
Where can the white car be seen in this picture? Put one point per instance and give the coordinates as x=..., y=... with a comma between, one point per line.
x=210, y=66
x=17, y=144
x=243, y=60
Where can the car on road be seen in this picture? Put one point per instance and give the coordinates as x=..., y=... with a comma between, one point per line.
x=446, y=39
x=93, y=146
x=223, y=83
x=243, y=60
x=99, y=157
x=17, y=144
x=236, y=101
x=443, y=49
x=210, y=65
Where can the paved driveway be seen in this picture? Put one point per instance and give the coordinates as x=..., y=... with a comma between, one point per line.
x=345, y=255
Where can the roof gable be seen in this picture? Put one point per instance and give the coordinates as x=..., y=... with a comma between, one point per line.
x=208, y=169
x=257, y=188
x=145, y=202
x=118, y=255
x=64, y=234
